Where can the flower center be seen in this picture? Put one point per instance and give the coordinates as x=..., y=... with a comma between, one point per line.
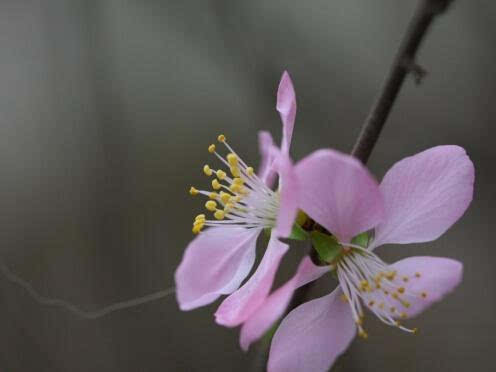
x=238, y=199
x=365, y=278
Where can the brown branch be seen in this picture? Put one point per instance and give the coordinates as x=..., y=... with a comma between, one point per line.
x=403, y=63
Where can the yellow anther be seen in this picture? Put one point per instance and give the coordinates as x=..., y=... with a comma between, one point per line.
x=401, y=290
x=232, y=159
x=406, y=304
x=235, y=188
x=424, y=294
x=344, y=298
x=221, y=138
x=395, y=295
x=403, y=315
x=228, y=207
x=371, y=303
x=235, y=171
x=249, y=171
x=215, y=184
x=417, y=275
x=225, y=197
x=405, y=279
x=193, y=191
x=207, y=170
x=211, y=148
x=359, y=321
x=219, y=214
x=238, y=181
x=213, y=195
x=397, y=323
x=391, y=275
x=415, y=331
x=221, y=174
x=200, y=217
x=364, y=283
x=381, y=306
x=196, y=229
x=363, y=334
x=199, y=223
x=378, y=286
x=211, y=205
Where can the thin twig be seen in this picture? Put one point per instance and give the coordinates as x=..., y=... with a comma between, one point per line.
x=57, y=302
x=404, y=63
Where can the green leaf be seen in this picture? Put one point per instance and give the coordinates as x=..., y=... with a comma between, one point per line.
x=326, y=246
x=362, y=240
x=298, y=233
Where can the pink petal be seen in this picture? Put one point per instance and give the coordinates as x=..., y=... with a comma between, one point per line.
x=438, y=277
x=275, y=305
x=265, y=171
x=214, y=263
x=339, y=193
x=286, y=105
x=236, y=308
x=312, y=336
x=424, y=195
x=289, y=190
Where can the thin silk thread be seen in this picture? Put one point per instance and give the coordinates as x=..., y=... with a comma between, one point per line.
x=56, y=302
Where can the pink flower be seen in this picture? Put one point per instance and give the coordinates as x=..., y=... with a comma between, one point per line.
x=419, y=199
x=243, y=204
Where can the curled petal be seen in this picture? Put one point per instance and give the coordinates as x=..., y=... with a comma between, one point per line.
x=338, y=192
x=289, y=195
x=286, y=105
x=424, y=195
x=265, y=171
x=214, y=263
x=429, y=280
x=275, y=304
x=236, y=308
x=312, y=336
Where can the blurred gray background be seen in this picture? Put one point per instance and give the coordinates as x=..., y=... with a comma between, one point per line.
x=106, y=109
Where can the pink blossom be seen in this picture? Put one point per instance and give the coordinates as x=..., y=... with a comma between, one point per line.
x=419, y=199
x=243, y=204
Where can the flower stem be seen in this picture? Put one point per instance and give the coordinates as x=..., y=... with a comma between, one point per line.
x=403, y=64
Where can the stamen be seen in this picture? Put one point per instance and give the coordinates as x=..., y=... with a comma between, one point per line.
x=232, y=159
x=206, y=169
x=221, y=174
x=219, y=214
x=365, y=278
x=239, y=199
x=215, y=184
x=211, y=205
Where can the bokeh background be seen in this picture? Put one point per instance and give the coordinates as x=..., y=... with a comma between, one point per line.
x=106, y=109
